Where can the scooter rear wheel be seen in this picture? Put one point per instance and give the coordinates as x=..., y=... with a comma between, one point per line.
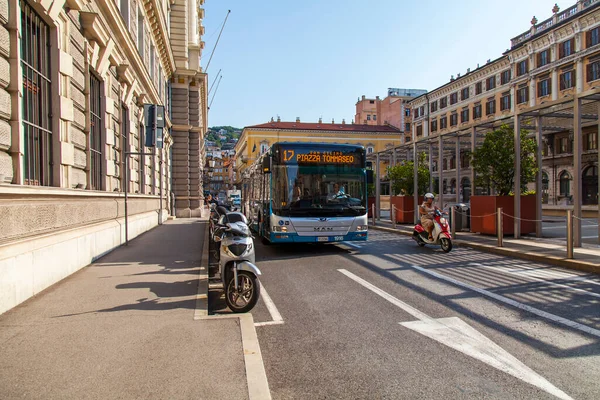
x=446, y=244
x=245, y=298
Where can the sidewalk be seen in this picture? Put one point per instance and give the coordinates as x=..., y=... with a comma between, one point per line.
x=128, y=327
x=547, y=251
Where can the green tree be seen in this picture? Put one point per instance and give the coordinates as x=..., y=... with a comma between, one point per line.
x=494, y=161
x=402, y=177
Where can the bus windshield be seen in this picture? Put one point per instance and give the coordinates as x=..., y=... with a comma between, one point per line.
x=319, y=190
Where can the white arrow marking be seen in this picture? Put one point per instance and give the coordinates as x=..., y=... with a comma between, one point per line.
x=457, y=334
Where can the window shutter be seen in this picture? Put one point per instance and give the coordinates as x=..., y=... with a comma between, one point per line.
x=573, y=78
x=588, y=39
x=588, y=72
x=539, y=59
x=572, y=45
x=561, y=50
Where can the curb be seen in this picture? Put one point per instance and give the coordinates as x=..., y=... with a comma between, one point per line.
x=202, y=295
x=529, y=256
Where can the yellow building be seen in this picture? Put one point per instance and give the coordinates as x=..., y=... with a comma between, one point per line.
x=256, y=139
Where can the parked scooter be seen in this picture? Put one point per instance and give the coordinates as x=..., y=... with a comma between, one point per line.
x=235, y=257
x=441, y=234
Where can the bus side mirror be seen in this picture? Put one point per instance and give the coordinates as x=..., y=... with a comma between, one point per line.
x=266, y=164
x=369, y=176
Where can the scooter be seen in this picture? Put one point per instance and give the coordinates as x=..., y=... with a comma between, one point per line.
x=236, y=258
x=441, y=234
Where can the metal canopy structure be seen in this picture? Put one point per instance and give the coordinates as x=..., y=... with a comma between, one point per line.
x=542, y=122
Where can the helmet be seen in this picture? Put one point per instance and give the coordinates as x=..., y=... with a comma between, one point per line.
x=429, y=196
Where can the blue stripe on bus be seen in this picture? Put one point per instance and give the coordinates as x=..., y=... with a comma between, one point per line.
x=295, y=238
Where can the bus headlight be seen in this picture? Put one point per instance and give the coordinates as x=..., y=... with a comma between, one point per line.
x=279, y=228
x=362, y=228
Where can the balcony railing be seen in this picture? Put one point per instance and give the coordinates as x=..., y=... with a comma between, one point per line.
x=550, y=22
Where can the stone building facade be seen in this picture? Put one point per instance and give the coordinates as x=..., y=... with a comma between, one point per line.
x=74, y=78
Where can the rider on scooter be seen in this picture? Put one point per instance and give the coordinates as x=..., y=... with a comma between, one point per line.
x=426, y=211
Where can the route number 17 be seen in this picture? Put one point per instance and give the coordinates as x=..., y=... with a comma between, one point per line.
x=288, y=155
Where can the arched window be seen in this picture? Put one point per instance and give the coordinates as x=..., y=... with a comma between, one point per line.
x=264, y=146
x=453, y=186
x=370, y=148
x=565, y=184
x=590, y=185
x=545, y=181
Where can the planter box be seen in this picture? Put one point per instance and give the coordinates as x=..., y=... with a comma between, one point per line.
x=405, y=208
x=483, y=206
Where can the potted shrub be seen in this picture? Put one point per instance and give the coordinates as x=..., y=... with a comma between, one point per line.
x=402, y=187
x=494, y=165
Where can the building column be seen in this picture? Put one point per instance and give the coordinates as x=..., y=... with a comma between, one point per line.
x=555, y=84
x=517, y=179
x=377, y=187
x=538, y=179
x=441, y=171
x=577, y=149
x=457, y=188
x=579, y=78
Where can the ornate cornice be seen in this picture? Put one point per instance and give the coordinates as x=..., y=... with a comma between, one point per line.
x=160, y=32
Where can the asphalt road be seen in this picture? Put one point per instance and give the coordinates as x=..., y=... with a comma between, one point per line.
x=556, y=228
x=387, y=319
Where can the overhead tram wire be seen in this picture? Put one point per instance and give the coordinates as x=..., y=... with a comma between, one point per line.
x=213, y=98
x=214, y=48
x=213, y=84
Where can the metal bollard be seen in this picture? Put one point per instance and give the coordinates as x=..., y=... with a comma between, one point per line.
x=569, y=233
x=374, y=216
x=453, y=218
x=499, y=227
x=394, y=216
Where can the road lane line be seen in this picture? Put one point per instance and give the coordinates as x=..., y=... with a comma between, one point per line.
x=256, y=376
x=458, y=335
x=399, y=303
x=276, y=318
x=535, y=279
x=352, y=245
x=506, y=300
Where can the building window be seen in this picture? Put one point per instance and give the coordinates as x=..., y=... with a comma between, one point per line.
x=444, y=102
x=477, y=111
x=490, y=107
x=374, y=117
x=422, y=111
x=505, y=102
x=434, y=124
x=592, y=37
x=593, y=71
x=464, y=94
x=124, y=142
x=478, y=88
x=407, y=127
x=565, y=184
x=567, y=80
x=434, y=106
x=124, y=9
x=567, y=48
x=443, y=122
x=371, y=101
x=152, y=62
x=505, y=77
x=37, y=121
x=96, y=129
x=140, y=38
x=368, y=117
x=563, y=145
x=369, y=149
x=591, y=141
x=407, y=112
x=454, y=98
x=543, y=58
x=420, y=130
x=522, y=67
x=464, y=115
x=490, y=83
x=544, y=87
x=454, y=119
x=522, y=95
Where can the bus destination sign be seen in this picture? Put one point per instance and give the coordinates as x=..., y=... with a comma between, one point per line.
x=306, y=156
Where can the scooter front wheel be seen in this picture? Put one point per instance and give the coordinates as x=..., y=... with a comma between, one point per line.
x=446, y=244
x=246, y=296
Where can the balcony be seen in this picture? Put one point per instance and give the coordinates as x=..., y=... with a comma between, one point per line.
x=557, y=18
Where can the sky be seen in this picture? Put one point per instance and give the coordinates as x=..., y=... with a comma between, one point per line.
x=314, y=58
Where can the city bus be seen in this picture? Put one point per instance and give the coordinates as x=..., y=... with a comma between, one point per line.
x=308, y=192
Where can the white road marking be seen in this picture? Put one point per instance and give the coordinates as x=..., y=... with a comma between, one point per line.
x=457, y=334
x=352, y=245
x=506, y=300
x=258, y=385
x=276, y=318
x=528, y=276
